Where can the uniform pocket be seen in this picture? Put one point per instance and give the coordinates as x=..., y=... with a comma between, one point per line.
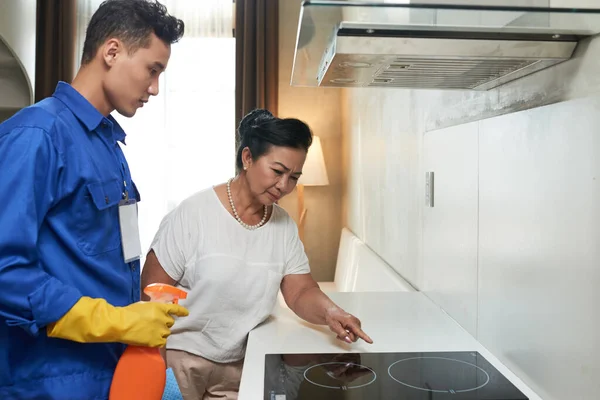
x=98, y=217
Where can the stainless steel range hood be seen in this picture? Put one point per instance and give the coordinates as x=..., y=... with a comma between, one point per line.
x=442, y=60
x=356, y=44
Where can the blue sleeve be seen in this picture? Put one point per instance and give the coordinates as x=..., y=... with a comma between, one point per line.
x=30, y=168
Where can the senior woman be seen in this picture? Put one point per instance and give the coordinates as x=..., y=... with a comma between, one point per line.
x=232, y=248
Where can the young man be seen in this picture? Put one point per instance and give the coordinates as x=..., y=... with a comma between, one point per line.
x=69, y=245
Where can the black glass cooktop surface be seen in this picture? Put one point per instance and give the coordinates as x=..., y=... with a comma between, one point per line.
x=406, y=376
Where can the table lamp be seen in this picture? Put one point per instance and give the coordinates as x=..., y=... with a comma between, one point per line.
x=314, y=173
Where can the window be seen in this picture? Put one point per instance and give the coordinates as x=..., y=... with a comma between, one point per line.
x=182, y=140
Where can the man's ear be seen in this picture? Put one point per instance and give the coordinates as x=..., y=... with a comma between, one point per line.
x=111, y=50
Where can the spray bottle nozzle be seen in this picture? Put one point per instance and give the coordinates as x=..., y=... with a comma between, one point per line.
x=164, y=293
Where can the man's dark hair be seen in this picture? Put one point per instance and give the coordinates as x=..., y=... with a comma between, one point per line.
x=131, y=21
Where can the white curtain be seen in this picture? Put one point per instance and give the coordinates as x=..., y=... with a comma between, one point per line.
x=183, y=139
x=204, y=18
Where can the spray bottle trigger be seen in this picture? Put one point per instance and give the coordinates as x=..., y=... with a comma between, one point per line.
x=164, y=293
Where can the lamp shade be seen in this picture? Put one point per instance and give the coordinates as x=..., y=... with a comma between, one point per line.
x=314, y=172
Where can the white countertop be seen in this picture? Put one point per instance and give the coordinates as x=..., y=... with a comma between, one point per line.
x=396, y=321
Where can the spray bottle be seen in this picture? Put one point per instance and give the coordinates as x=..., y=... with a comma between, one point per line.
x=141, y=371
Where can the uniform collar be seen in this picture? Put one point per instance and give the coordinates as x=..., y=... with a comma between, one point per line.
x=85, y=111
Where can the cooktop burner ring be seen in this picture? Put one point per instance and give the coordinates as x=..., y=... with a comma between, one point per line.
x=374, y=377
x=452, y=391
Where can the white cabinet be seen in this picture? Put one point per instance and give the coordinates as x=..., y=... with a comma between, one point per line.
x=510, y=247
x=450, y=226
x=17, y=54
x=539, y=273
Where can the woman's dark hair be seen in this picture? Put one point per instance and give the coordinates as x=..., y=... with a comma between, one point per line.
x=131, y=21
x=259, y=130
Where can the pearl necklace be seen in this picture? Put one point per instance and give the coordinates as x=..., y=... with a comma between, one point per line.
x=235, y=213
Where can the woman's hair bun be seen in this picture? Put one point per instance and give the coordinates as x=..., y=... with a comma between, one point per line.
x=253, y=119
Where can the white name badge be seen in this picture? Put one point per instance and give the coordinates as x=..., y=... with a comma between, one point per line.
x=130, y=232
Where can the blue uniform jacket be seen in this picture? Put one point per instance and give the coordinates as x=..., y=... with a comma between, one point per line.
x=62, y=176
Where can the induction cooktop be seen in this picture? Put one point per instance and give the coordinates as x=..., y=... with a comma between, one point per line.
x=372, y=376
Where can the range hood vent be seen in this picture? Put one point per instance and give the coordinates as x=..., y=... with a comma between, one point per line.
x=436, y=60
x=349, y=44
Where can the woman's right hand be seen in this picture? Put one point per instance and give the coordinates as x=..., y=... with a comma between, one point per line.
x=346, y=326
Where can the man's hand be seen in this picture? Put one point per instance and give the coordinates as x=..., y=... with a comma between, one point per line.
x=94, y=320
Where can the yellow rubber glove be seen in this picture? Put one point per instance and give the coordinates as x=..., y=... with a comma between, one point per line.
x=94, y=320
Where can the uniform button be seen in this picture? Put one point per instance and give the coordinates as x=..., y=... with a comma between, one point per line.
x=106, y=199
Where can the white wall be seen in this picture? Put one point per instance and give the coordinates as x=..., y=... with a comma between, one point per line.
x=6, y=114
x=382, y=205
x=14, y=89
x=510, y=249
x=17, y=31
